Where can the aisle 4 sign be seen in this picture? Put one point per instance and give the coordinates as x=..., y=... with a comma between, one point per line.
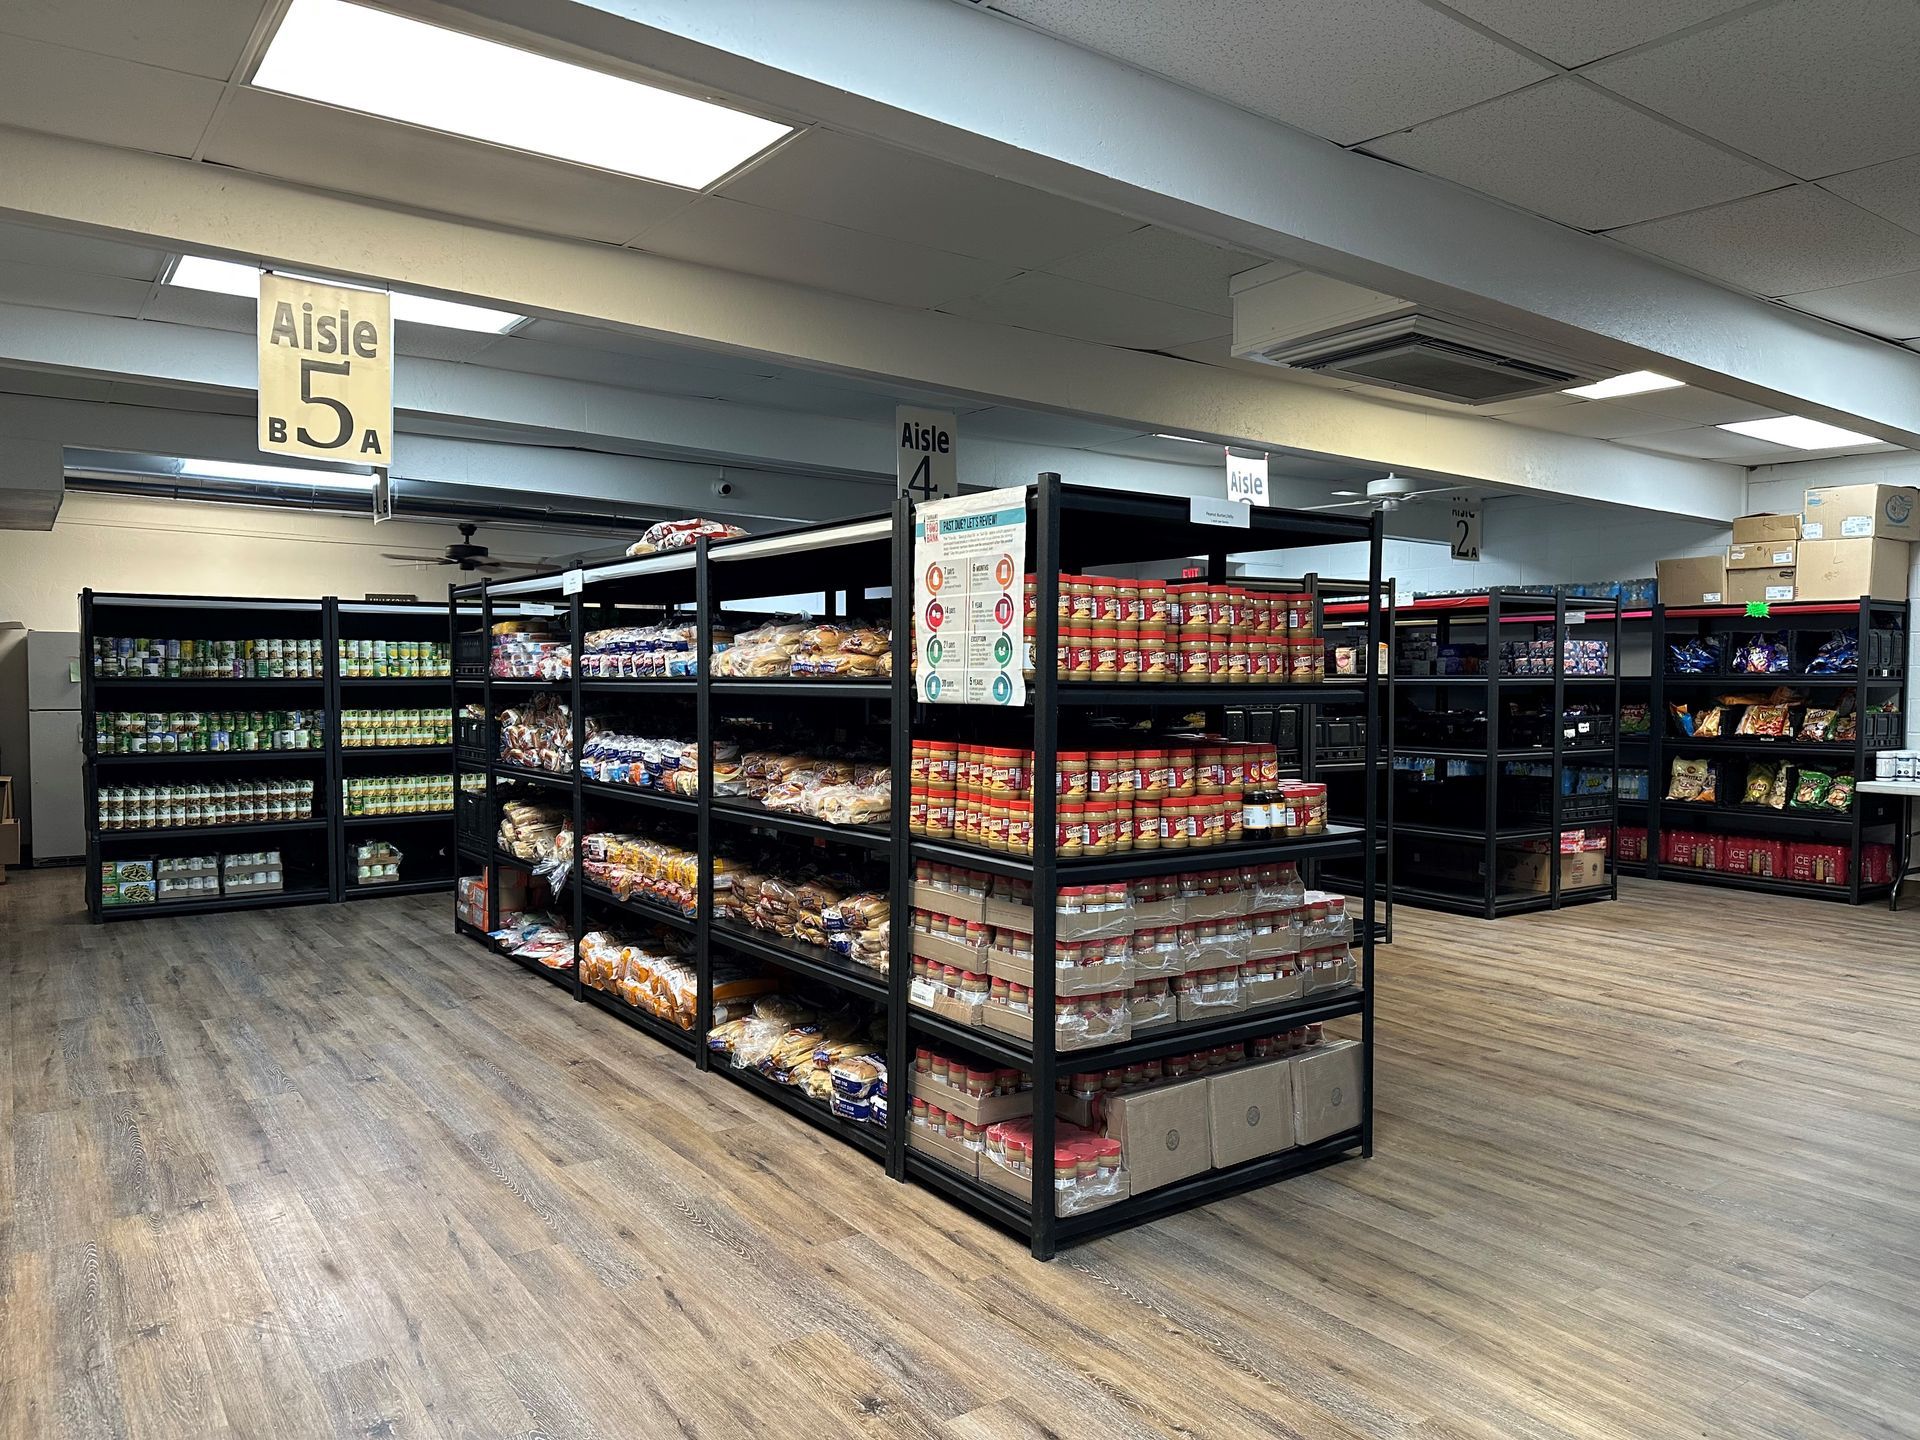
x=928, y=462
x=326, y=371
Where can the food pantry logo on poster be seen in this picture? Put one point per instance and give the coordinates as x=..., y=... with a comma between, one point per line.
x=967, y=571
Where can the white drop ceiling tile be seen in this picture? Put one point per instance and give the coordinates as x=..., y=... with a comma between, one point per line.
x=1597, y=419
x=1348, y=71
x=103, y=99
x=1697, y=406
x=354, y=154
x=50, y=289
x=1815, y=87
x=1036, y=427
x=1573, y=32
x=437, y=342
x=1163, y=265
x=865, y=185
x=1576, y=155
x=603, y=367
x=1707, y=443
x=1889, y=307
x=65, y=250
x=177, y=305
x=736, y=236
x=1891, y=191
x=1058, y=306
x=1781, y=243
x=1552, y=400
x=204, y=37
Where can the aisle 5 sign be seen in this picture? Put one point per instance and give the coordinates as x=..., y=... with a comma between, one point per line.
x=326, y=371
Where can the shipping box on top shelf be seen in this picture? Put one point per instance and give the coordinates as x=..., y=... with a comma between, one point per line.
x=1848, y=569
x=1692, y=580
x=1858, y=512
x=1761, y=555
x=1759, y=529
x=1773, y=585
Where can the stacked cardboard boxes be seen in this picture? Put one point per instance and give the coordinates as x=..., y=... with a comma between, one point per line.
x=1848, y=541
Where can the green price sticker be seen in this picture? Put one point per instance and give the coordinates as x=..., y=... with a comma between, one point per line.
x=1758, y=610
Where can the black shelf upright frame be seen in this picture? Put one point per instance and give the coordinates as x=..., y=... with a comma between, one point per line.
x=1674, y=622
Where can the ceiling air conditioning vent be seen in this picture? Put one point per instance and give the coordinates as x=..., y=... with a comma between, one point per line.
x=1311, y=322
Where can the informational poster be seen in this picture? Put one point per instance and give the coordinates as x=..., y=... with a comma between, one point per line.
x=326, y=371
x=969, y=558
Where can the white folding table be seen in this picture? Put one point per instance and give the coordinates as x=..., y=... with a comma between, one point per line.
x=1910, y=789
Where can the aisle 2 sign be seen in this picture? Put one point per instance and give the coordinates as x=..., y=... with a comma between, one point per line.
x=929, y=457
x=326, y=371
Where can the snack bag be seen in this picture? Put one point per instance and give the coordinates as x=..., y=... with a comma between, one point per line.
x=1682, y=717
x=1817, y=725
x=1839, y=795
x=1689, y=779
x=1777, y=794
x=1767, y=720
x=1760, y=778
x=1812, y=789
x=1707, y=724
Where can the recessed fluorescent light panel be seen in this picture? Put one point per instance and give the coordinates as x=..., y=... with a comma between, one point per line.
x=1637, y=382
x=419, y=74
x=225, y=277
x=276, y=474
x=1799, y=433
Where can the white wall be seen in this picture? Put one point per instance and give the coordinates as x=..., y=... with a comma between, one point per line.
x=108, y=542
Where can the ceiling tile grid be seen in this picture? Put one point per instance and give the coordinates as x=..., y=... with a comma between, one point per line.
x=1577, y=155
x=1575, y=32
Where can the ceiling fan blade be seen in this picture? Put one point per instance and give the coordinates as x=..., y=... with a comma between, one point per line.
x=420, y=559
x=1339, y=505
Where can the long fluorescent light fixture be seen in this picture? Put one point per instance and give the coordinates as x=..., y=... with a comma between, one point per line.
x=276, y=474
x=1799, y=433
x=226, y=277
x=420, y=74
x=1636, y=382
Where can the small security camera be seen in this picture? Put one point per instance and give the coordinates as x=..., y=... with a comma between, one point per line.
x=723, y=487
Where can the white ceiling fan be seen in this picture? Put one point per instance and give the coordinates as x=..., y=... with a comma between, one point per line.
x=1388, y=494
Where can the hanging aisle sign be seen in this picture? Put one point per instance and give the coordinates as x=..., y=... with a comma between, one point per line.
x=928, y=461
x=1247, y=479
x=969, y=566
x=326, y=371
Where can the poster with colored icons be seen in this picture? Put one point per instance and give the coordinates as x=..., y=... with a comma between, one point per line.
x=969, y=557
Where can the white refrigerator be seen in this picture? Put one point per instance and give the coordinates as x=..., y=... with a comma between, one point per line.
x=56, y=819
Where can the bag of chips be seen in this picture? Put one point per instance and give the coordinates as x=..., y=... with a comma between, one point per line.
x=1760, y=654
x=1766, y=720
x=1817, y=725
x=1697, y=656
x=1839, y=654
x=1839, y=795
x=1681, y=716
x=1707, y=724
x=1691, y=780
x=1811, y=789
x=1760, y=777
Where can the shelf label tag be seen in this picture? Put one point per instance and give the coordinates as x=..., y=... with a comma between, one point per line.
x=1758, y=610
x=326, y=371
x=1247, y=479
x=928, y=461
x=1233, y=514
x=572, y=582
x=969, y=572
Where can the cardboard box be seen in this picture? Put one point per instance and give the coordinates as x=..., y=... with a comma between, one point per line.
x=1067, y=979
x=1860, y=512
x=1848, y=569
x=1774, y=584
x=1250, y=1112
x=954, y=1154
x=943, y=951
x=1760, y=529
x=1165, y=1133
x=1326, y=1092
x=1693, y=580
x=978, y=1110
x=1765, y=555
x=1277, y=991
x=1527, y=870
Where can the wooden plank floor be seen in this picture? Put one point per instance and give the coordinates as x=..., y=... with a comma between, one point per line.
x=1645, y=1170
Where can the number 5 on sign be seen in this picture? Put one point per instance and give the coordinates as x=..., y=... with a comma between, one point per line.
x=326, y=371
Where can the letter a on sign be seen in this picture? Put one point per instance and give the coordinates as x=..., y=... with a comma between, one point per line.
x=326, y=371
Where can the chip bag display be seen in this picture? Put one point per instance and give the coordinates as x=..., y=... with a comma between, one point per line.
x=1692, y=780
x=1811, y=790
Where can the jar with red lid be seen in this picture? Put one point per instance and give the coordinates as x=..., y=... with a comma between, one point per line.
x=1131, y=611
x=1073, y=774
x=1102, y=827
x=1210, y=770
x=1175, y=816
x=1070, y=827
x=1020, y=827
x=943, y=763
x=1076, y=594
x=940, y=814
x=1195, y=660
x=917, y=810
x=1103, y=773
x=1131, y=659
x=1239, y=663
x=1153, y=606
x=1104, y=659
x=1146, y=824
x=922, y=754
x=1105, y=592
x=1182, y=771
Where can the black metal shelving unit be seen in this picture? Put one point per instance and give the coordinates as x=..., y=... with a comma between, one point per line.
x=1881, y=627
x=865, y=565
x=1345, y=770
x=1456, y=826
x=424, y=838
x=307, y=843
